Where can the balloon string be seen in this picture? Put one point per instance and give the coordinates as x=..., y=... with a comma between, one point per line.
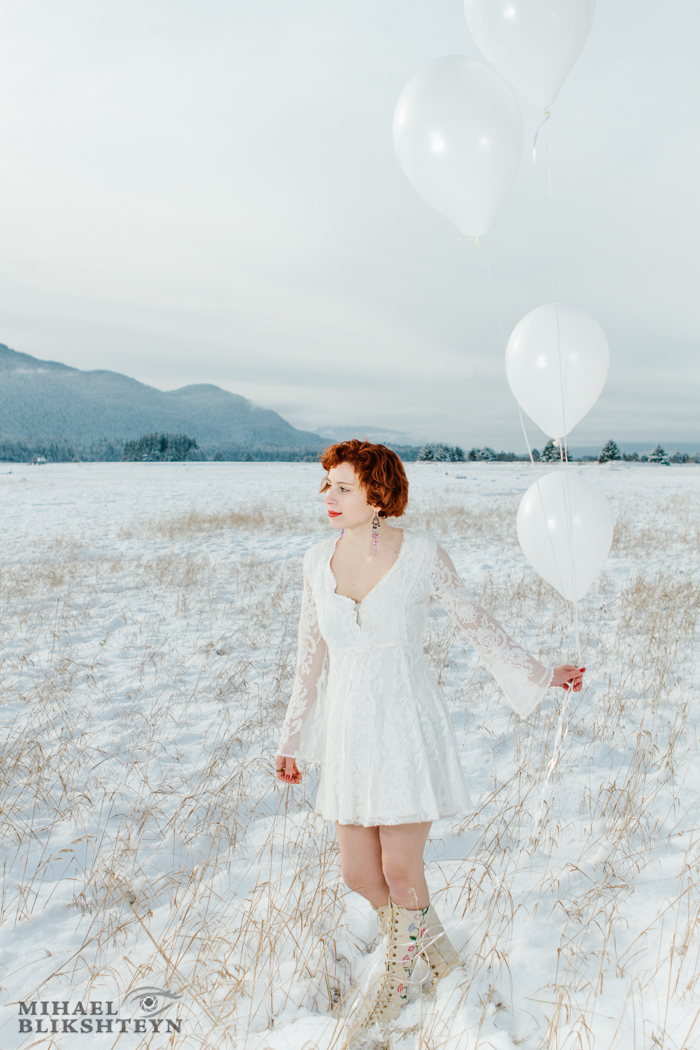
x=549, y=537
x=551, y=765
x=563, y=441
x=527, y=440
x=504, y=341
x=561, y=731
x=563, y=454
x=552, y=223
x=564, y=459
x=574, y=579
x=522, y=421
x=534, y=144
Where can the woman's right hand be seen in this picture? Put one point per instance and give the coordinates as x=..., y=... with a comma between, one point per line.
x=286, y=770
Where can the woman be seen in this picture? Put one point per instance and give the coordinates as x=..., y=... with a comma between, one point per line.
x=366, y=707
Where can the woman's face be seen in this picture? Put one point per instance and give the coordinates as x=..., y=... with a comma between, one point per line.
x=345, y=498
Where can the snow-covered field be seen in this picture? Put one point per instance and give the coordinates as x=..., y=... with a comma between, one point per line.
x=149, y=627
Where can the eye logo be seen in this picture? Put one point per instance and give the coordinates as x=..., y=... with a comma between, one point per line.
x=149, y=1001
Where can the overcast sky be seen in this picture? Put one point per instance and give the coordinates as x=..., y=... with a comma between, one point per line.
x=207, y=192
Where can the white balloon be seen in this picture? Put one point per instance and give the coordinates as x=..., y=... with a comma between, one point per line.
x=532, y=43
x=565, y=529
x=458, y=138
x=557, y=363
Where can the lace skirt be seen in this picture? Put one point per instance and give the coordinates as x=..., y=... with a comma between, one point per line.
x=389, y=749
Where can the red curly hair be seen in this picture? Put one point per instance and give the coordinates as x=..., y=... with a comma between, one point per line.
x=380, y=472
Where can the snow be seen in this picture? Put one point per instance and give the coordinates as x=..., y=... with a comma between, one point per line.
x=149, y=615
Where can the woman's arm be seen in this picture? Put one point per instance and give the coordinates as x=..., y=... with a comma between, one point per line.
x=523, y=679
x=311, y=652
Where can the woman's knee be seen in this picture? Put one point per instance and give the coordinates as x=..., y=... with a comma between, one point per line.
x=353, y=878
x=400, y=873
x=363, y=880
x=360, y=858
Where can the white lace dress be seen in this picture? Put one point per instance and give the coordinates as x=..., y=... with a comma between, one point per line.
x=366, y=706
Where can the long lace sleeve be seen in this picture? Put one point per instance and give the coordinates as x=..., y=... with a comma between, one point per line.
x=299, y=729
x=522, y=678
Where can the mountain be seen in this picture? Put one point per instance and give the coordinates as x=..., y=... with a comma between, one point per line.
x=46, y=399
x=379, y=434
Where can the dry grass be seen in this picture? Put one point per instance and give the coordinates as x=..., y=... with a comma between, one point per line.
x=652, y=525
x=250, y=520
x=143, y=694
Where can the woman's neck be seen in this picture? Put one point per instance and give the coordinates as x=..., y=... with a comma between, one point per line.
x=359, y=539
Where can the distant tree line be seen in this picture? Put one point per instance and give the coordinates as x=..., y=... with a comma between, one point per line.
x=58, y=450
x=609, y=453
x=441, y=454
x=160, y=447
x=437, y=453
x=249, y=454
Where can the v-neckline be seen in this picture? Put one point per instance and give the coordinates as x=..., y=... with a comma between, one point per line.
x=374, y=586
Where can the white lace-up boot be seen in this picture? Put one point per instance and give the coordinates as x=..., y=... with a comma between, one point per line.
x=437, y=948
x=386, y=998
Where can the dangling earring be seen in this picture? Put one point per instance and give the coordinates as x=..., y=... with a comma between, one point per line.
x=375, y=532
x=342, y=533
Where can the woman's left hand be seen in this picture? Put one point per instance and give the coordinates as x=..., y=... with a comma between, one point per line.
x=568, y=677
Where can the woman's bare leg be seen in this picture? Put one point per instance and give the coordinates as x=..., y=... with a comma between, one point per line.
x=402, y=848
x=361, y=862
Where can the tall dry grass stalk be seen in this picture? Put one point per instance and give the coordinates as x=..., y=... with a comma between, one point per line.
x=143, y=693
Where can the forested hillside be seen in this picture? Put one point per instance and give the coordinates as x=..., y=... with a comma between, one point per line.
x=42, y=398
